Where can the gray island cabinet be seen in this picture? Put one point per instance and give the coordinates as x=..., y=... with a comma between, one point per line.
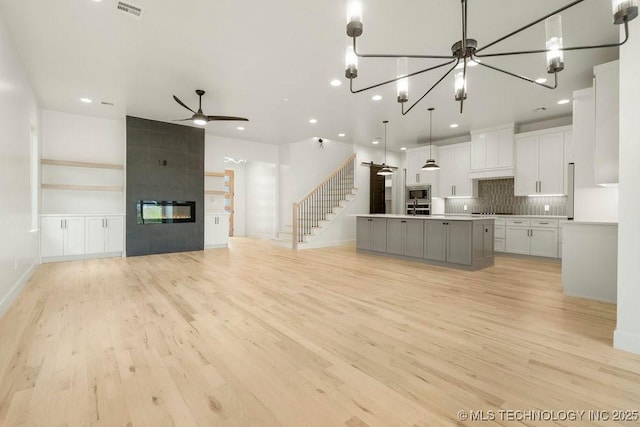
x=449, y=240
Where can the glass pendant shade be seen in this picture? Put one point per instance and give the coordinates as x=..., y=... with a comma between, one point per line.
x=460, y=86
x=354, y=18
x=351, y=63
x=403, y=84
x=624, y=10
x=555, y=56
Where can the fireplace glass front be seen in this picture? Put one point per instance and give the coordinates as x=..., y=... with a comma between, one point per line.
x=165, y=211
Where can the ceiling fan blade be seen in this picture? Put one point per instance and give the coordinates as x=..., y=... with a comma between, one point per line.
x=183, y=120
x=183, y=104
x=228, y=118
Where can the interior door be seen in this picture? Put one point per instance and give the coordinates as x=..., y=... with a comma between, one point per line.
x=376, y=191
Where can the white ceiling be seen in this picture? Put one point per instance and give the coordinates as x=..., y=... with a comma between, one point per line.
x=252, y=55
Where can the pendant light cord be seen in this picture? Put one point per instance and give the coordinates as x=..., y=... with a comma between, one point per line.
x=430, y=124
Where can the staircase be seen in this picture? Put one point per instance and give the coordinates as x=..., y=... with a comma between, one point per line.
x=316, y=211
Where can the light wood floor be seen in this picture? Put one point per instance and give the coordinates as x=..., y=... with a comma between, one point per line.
x=258, y=335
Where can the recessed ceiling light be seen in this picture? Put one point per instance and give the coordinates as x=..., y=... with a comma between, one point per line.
x=86, y=100
x=341, y=135
x=403, y=148
x=454, y=125
x=313, y=121
x=240, y=128
x=563, y=101
x=541, y=80
x=375, y=142
x=285, y=99
x=376, y=97
x=335, y=82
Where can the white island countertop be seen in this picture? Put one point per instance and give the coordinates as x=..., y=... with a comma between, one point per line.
x=428, y=217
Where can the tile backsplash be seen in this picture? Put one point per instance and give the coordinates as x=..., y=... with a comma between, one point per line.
x=496, y=196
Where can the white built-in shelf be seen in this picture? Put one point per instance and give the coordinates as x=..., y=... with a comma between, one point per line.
x=77, y=164
x=80, y=187
x=216, y=174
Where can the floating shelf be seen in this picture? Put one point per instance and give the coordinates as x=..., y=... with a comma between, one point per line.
x=216, y=174
x=80, y=187
x=218, y=192
x=76, y=164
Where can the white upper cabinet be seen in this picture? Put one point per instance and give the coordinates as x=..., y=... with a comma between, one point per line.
x=540, y=165
x=492, y=154
x=606, y=84
x=455, y=163
x=416, y=158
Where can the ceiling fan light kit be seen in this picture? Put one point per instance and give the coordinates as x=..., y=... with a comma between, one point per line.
x=201, y=119
x=466, y=53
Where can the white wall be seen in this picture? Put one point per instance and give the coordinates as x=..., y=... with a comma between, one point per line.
x=86, y=139
x=216, y=148
x=627, y=334
x=261, y=199
x=591, y=202
x=19, y=119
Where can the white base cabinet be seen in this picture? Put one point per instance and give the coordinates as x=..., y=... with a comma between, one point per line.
x=70, y=237
x=537, y=237
x=104, y=234
x=216, y=230
x=61, y=236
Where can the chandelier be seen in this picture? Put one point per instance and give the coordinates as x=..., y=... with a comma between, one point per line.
x=465, y=52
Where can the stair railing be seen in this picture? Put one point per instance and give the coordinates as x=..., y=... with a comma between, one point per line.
x=314, y=207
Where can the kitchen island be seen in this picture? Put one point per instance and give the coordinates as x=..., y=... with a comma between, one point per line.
x=449, y=240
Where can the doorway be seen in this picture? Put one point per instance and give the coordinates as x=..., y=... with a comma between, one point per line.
x=377, y=204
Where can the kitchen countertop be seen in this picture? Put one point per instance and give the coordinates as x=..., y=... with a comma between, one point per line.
x=428, y=217
x=591, y=223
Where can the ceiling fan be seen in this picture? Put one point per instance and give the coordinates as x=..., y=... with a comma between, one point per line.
x=199, y=117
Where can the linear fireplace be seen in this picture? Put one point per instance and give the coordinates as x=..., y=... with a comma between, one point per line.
x=165, y=211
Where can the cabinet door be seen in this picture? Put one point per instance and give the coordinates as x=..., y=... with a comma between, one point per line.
x=210, y=229
x=222, y=234
x=478, y=151
x=74, y=236
x=379, y=234
x=544, y=242
x=431, y=177
x=526, y=167
x=459, y=235
x=489, y=240
x=414, y=163
x=95, y=235
x=114, y=235
x=395, y=236
x=551, y=163
x=447, y=164
x=435, y=244
x=505, y=143
x=517, y=240
x=414, y=238
x=606, y=148
x=463, y=185
x=51, y=236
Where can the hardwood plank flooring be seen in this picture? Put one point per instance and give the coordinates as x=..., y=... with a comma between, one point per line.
x=257, y=335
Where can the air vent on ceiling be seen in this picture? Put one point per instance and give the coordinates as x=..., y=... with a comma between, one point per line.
x=131, y=10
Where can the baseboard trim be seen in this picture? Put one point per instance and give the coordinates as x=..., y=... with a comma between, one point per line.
x=17, y=288
x=626, y=341
x=82, y=257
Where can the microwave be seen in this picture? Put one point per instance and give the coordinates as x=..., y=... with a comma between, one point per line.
x=422, y=192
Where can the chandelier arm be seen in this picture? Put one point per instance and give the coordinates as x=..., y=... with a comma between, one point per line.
x=430, y=89
x=389, y=55
x=528, y=52
x=513, y=33
x=527, y=79
x=398, y=78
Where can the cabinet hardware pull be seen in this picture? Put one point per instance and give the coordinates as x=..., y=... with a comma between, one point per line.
x=544, y=223
x=531, y=233
x=418, y=177
x=540, y=186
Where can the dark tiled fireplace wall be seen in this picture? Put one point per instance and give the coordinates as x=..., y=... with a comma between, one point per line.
x=164, y=162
